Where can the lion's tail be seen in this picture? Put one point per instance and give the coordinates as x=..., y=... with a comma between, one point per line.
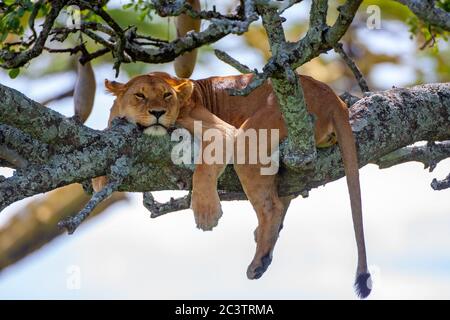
x=347, y=146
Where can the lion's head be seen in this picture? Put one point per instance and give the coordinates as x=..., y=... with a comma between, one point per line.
x=152, y=101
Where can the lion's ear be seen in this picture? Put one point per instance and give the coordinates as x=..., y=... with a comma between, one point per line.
x=184, y=90
x=114, y=87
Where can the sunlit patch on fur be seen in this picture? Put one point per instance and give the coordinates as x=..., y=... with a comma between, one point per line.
x=155, y=131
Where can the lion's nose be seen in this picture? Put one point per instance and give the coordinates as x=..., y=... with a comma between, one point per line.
x=157, y=114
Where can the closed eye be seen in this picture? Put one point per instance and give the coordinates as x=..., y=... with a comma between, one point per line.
x=139, y=96
x=167, y=95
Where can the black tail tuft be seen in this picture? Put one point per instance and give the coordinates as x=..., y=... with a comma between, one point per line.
x=363, y=285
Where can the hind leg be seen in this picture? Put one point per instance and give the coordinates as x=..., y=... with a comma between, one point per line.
x=286, y=201
x=262, y=194
x=260, y=185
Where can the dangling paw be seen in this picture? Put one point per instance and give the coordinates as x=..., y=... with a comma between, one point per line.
x=207, y=210
x=258, y=266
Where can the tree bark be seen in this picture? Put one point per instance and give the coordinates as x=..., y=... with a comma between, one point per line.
x=382, y=122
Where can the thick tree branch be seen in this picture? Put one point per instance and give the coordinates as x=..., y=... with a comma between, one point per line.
x=382, y=122
x=31, y=150
x=12, y=157
x=427, y=11
x=319, y=39
x=299, y=149
x=22, y=113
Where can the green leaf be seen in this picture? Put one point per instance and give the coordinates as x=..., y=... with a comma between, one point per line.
x=13, y=73
x=3, y=36
x=127, y=6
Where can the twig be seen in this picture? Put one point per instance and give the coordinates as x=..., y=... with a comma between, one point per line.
x=86, y=57
x=15, y=60
x=124, y=43
x=429, y=154
x=158, y=209
x=351, y=64
x=63, y=95
x=430, y=42
x=91, y=5
x=175, y=8
x=72, y=223
x=225, y=57
x=33, y=16
x=36, y=231
x=257, y=81
x=119, y=171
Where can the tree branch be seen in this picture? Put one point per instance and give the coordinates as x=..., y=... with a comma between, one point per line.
x=427, y=11
x=158, y=209
x=299, y=149
x=429, y=154
x=34, y=225
x=125, y=43
x=119, y=172
x=225, y=57
x=349, y=99
x=352, y=65
x=14, y=60
x=382, y=123
x=22, y=113
x=31, y=150
x=12, y=157
x=60, y=96
x=319, y=39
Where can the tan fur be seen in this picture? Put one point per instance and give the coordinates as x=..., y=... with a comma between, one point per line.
x=210, y=103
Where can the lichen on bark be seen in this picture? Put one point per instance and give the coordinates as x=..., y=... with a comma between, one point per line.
x=382, y=122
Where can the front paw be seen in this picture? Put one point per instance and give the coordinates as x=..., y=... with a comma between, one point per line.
x=207, y=210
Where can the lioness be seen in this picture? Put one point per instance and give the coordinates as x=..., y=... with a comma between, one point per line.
x=157, y=101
